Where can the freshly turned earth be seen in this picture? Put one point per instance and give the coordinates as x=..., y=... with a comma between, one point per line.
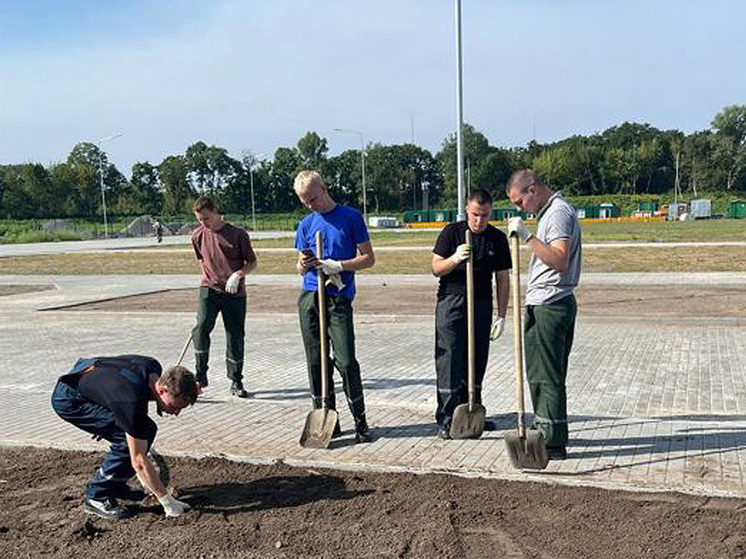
x=249, y=511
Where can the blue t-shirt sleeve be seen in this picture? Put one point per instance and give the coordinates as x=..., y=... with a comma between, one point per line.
x=301, y=237
x=360, y=231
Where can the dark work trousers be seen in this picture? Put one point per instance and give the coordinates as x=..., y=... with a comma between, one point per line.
x=548, y=336
x=116, y=468
x=233, y=310
x=451, y=352
x=342, y=335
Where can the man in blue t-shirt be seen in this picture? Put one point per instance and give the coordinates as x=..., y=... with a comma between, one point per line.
x=347, y=248
x=108, y=397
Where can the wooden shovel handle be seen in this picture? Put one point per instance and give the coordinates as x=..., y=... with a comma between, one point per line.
x=321, y=280
x=184, y=349
x=470, y=320
x=515, y=286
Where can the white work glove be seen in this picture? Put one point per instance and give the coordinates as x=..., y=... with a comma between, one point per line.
x=336, y=281
x=462, y=253
x=173, y=507
x=330, y=267
x=516, y=226
x=498, y=325
x=234, y=283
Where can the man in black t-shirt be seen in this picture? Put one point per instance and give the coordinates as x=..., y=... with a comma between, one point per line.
x=108, y=397
x=491, y=257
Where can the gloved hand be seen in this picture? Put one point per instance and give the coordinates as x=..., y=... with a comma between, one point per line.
x=498, y=325
x=234, y=282
x=173, y=507
x=330, y=267
x=462, y=253
x=336, y=281
x=516, y=226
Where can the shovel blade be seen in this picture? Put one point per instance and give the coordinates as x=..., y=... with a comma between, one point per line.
x=319, y=428
x=527, y=453
x=466, y=423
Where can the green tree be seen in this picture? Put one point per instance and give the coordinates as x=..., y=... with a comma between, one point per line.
x=177, y=190
x=285, y=166
x=17, y=204
x=89, y=163
x=143, y=194
x=210, y=168
x=312, y=150
x=476, y=149
x=730, y=142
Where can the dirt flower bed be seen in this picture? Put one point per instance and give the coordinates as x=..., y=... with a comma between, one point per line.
x=248, y=511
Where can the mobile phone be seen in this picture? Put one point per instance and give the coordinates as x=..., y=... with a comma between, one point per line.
x=308, y=252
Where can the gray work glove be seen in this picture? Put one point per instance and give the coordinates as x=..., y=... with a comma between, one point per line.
x=173, y=507
x=498, y=325
x=234, y=282
x=462, y=253
x=516, y=226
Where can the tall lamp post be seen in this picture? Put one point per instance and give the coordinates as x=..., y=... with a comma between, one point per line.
x=101, y=177
x=362, y=163
x=459, y=116
x=252, y=158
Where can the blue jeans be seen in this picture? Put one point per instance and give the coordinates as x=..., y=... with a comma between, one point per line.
x=116, y=468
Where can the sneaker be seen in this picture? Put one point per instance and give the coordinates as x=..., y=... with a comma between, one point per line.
x=237, y=390
x=202, y=379
x=557, y=452
x=106, y=508
x=444, y=433
x=362, y=432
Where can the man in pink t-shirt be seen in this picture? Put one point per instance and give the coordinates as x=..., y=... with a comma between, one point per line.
x=225, y=256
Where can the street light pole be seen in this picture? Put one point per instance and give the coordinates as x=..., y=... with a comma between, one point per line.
x=252, y=158
x=362, y=164
x=459, y=116
x=101, y=178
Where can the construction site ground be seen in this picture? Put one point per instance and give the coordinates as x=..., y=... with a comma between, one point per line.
x=656, y=459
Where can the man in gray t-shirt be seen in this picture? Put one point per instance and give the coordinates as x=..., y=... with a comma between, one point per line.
x=549, y=327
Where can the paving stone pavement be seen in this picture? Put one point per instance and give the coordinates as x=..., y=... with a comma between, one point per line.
x=654, y=405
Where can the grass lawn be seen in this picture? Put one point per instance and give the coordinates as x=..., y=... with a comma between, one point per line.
x=417, y=261
x=593, y=232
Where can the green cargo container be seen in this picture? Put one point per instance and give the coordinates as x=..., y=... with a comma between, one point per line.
x=737, y=209
x=607, y=210
x=651, y=207
x=416, y=216
x=500, y=214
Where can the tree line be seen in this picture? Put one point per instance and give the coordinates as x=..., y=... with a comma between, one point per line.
x=629, y=158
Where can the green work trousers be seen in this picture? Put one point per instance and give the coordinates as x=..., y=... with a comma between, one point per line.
x=341, y=332
x=233, y=310
x=549, y=331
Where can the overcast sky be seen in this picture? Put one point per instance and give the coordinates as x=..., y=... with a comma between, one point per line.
x=256, y=75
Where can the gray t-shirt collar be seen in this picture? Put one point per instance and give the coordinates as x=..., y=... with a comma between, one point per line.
x=557, y=194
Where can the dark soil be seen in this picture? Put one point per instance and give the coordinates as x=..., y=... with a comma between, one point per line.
x=595, y=301
x=278, y=511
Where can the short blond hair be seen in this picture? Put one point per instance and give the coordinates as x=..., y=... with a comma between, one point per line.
x=306, y=179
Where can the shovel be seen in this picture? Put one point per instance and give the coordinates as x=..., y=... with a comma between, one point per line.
x=184, y=349
x=468, y=419
x=527, y=450
x=320, y=423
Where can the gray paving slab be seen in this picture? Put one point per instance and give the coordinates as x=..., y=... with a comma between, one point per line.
x=654, y=405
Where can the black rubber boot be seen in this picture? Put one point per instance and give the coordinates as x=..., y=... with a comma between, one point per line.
x=362, y=432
